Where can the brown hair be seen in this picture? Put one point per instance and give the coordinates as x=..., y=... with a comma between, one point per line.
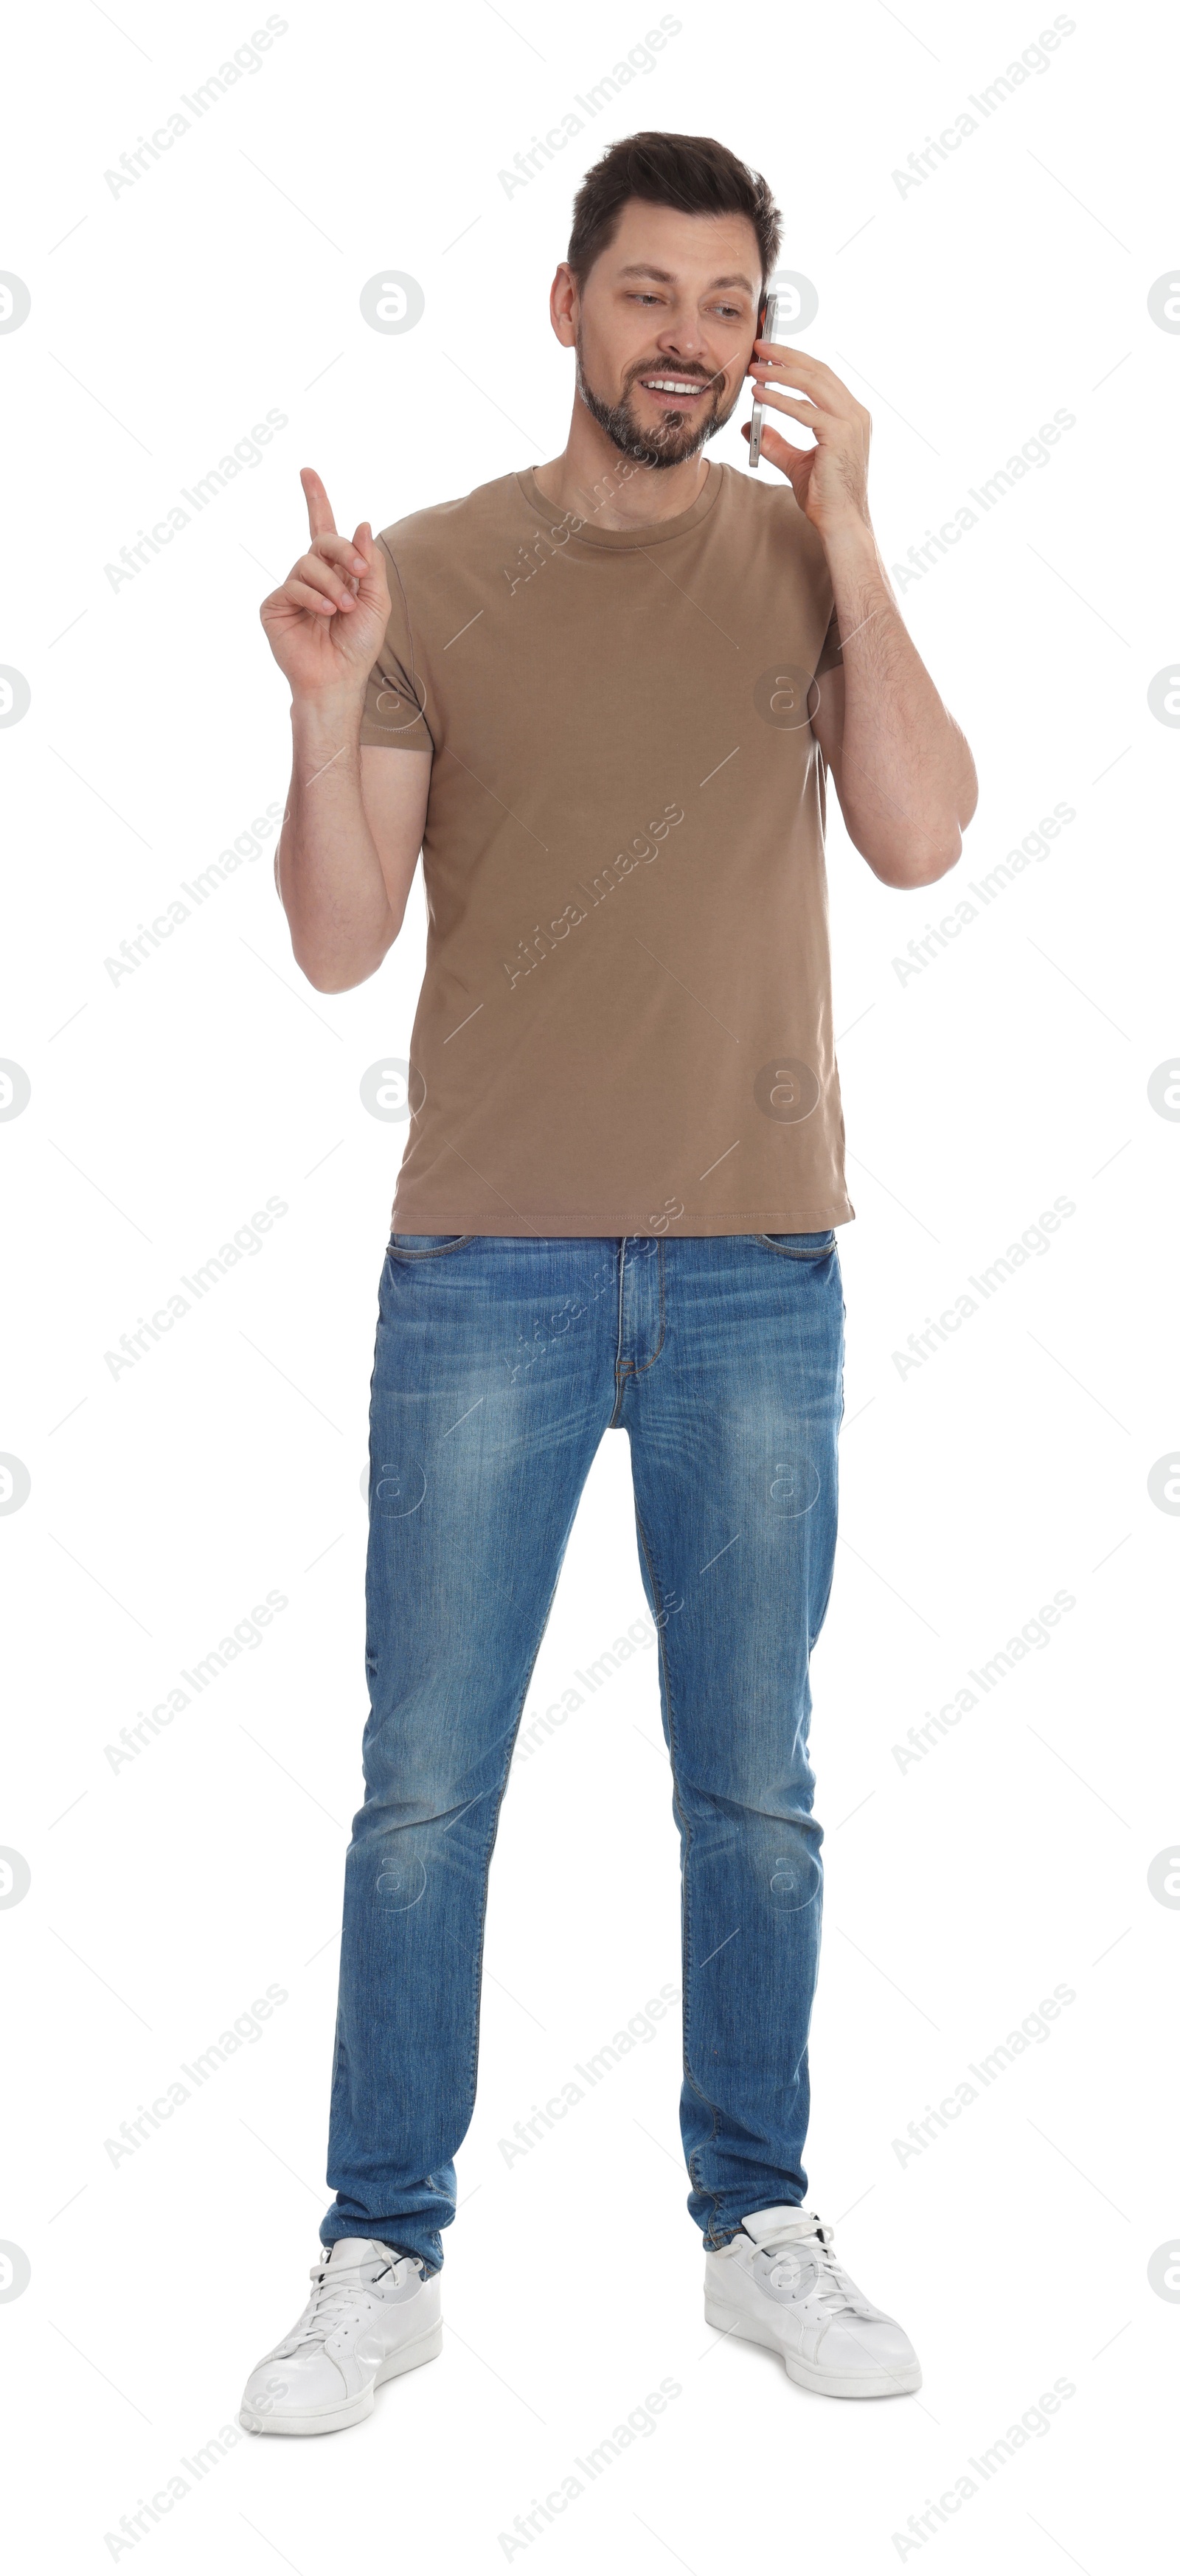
x=688, y=171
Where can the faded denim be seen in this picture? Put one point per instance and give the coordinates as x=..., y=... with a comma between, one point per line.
x=500, y=1362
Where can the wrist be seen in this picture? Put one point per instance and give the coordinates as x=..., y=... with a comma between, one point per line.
x=343, y=701
x=333, y=715
x=850, y=541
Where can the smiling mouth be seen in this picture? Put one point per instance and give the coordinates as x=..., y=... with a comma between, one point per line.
x=681, y=388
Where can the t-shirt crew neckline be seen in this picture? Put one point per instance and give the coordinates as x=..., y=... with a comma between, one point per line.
x=620, y=539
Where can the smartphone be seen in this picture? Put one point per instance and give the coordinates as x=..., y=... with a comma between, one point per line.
x=767, y=322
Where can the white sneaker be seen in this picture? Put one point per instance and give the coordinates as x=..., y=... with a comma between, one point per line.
x=777, y=2282
x=371, y=2314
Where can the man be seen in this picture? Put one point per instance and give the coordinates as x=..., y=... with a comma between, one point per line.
x=603, y=699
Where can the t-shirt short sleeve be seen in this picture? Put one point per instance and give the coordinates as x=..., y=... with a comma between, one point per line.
x=395, y=698
x=831, y=657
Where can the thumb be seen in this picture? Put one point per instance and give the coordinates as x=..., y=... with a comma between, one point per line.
x=779, y=451
x=373, y=584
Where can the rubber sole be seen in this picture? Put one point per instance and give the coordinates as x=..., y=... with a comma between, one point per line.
x=426, y=2348
x=823, y=2383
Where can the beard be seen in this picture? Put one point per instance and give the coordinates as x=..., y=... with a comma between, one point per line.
x=678, y=436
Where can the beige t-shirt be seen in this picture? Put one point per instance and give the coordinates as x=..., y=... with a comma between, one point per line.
x=625, y=1023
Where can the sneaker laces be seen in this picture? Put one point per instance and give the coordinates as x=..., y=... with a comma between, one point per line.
x=834, y=2292
x=336, y=2291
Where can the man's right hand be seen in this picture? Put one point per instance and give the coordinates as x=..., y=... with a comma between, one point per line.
x=326, y=624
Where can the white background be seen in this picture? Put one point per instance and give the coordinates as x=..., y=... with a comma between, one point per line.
x=1013, y=1070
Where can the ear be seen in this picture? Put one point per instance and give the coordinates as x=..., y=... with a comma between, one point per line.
x=564, y=306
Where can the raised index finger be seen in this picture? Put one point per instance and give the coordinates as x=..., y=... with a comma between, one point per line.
x=319, y=508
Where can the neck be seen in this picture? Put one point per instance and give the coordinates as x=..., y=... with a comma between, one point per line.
x=592, y=478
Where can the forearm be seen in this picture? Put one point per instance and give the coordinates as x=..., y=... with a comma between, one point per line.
x=907, y=780
x=328, y=871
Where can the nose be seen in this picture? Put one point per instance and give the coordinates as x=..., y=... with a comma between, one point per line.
x=683, y=339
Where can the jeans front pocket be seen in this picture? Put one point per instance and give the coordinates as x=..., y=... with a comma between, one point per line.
x=799, y=1247
x=425, y=1247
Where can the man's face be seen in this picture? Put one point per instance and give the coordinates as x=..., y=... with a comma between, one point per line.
x=664, y=327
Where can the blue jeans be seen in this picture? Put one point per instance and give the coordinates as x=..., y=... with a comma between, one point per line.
x=500, y=1362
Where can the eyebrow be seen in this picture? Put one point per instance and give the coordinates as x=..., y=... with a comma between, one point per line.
x=643, y=268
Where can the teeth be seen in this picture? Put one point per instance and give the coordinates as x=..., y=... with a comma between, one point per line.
x=670, y=385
